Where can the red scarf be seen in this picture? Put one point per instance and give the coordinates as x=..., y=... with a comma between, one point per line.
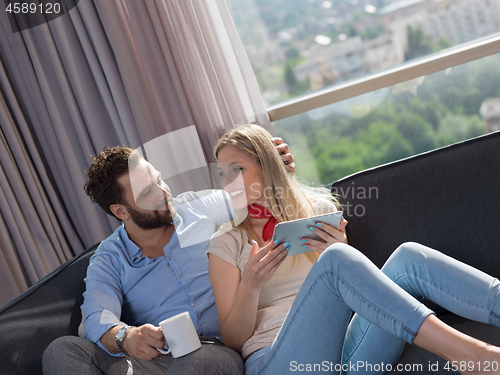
x=260, y=212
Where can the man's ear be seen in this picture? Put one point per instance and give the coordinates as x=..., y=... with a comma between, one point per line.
x=120, y=211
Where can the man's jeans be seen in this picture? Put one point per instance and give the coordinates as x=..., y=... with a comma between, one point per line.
x=317, y=333
x=76, y=355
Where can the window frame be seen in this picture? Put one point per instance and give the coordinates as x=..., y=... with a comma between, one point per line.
x=436, y=62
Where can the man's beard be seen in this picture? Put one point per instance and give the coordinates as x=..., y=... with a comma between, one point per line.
x=152, y=220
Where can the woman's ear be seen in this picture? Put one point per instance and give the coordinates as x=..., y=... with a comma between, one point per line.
x=120, y=211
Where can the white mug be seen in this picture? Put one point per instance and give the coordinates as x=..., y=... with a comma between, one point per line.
x=180, y=335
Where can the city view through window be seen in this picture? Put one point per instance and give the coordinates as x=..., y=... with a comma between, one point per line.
x=299, y=46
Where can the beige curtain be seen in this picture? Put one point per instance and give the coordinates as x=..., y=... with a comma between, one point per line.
x=109, y=72
x=29, y=206
x=180, y=67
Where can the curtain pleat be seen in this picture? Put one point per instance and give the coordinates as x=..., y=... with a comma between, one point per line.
x=33, y=240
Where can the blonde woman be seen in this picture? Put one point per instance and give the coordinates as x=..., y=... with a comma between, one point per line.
x=283, y=312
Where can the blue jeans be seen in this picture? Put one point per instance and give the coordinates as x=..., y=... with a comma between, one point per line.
x=424, y=273
x=317, y=333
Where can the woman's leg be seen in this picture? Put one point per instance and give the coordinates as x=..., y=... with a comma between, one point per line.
x=312, y=335
x=365, y=342
x=426, y=273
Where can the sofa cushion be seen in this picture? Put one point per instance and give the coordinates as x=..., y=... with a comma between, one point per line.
x=47, y=310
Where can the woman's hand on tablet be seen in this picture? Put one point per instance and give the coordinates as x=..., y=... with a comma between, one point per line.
x=328, y=234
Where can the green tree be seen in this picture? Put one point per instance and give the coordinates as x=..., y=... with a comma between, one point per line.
x=455, y=128
x=430, y=111
x=293, y=54
x=443, y=43
x=290, y=79
x=419, y=44
x=416, y=131
x=381, y=142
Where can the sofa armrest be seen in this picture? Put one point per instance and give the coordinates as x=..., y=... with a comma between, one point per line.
x=47, y=310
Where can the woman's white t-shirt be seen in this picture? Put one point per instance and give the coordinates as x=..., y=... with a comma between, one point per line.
x=277, y=296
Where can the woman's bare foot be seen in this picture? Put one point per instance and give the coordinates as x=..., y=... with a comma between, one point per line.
x=484, y=359
x=465, y=354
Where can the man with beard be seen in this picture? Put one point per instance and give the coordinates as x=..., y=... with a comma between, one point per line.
x=151, y=268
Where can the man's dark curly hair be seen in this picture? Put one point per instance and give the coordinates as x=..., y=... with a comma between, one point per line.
x=107, y=167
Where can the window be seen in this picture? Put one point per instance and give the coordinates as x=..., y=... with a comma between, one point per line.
x=299, y=46
x=352, y=84
x=395, y=122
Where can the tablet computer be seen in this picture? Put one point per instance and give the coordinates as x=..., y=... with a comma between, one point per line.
x=294, y=230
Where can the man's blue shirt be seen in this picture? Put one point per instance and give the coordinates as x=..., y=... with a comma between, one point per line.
x=122, y=285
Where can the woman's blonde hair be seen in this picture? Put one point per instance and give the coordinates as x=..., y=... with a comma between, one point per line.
x=285, y=197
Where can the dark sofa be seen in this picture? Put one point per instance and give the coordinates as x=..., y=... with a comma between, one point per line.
x=446, y=199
